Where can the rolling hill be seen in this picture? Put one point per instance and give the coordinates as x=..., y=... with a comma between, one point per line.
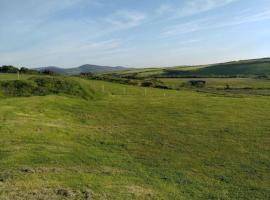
x=82, y=69
x=253, y=67
x=237, y=68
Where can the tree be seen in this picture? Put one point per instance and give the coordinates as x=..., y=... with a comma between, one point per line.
x=8, y=69
x=25, y=70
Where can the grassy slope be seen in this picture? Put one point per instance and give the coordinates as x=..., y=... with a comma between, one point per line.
x=231, y=69
x=124, y=145
x=243, y=68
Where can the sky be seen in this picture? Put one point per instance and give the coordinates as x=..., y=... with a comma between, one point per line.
x=132, y=33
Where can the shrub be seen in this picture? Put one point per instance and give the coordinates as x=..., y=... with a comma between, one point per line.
x=18, y=88
x=39, y=86
x=146, y=84
x=197, y=83
x=53, y=85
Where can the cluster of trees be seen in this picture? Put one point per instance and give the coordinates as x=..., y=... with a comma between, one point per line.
x=24, y=70
x=8, y=69
x=12, y=69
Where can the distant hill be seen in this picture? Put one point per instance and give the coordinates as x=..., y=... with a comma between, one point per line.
x=82, y=69
x=51, y=68
x=235, y=68
x=252, y=67
x=92, y=68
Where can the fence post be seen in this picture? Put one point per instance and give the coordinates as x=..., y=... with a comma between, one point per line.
x=103, y=88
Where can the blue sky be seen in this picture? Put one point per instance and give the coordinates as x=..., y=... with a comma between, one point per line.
x=135, y=33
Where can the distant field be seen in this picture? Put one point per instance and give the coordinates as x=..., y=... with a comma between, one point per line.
x=14, y=76
x=139, y=143
x=221, y=82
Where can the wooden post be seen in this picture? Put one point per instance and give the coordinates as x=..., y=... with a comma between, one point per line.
x=103, y=88
x=18, y=75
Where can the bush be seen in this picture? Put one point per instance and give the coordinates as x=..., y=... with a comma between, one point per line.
x=53, y=85
x=40, y=86
x=197, y=83
x=146, y=84
x=154, y=83
x=18, y=88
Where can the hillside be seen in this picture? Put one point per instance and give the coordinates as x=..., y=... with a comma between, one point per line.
x=253, y=67
x=82, y=69
x=129, y=142
x=238, y=68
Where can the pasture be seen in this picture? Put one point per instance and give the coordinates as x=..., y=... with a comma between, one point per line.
x=129, y=142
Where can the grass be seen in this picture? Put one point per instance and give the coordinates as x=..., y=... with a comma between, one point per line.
x=220, y=83
x=14, y=76
x=128, y=143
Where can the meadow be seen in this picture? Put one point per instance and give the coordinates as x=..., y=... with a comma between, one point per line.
x=221, y=83
x=130, y=142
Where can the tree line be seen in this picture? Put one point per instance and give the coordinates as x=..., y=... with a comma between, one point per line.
x=23, y=70
x=12, y=69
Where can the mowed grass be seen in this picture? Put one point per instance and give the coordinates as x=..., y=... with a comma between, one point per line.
x=135, y=143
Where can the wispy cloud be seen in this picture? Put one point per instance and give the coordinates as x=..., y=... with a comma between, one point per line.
x=71, y=32
x=186, y=27
x=215, y=22
x=192, y=7
x=38, y=8
x=164, y=8
x=247, y=18
x=125, y=19
x=199, y=6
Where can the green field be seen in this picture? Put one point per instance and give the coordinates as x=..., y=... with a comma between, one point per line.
x=221, y=83
x=129, y=142
x=6, y=77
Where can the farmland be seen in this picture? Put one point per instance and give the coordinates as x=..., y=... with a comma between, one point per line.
x=130, y=142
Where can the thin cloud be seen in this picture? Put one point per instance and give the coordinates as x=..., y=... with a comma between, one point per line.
x=213, y=23
x=192, y=7
x=125, y=19
x=186, y=27
x=199, y=6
